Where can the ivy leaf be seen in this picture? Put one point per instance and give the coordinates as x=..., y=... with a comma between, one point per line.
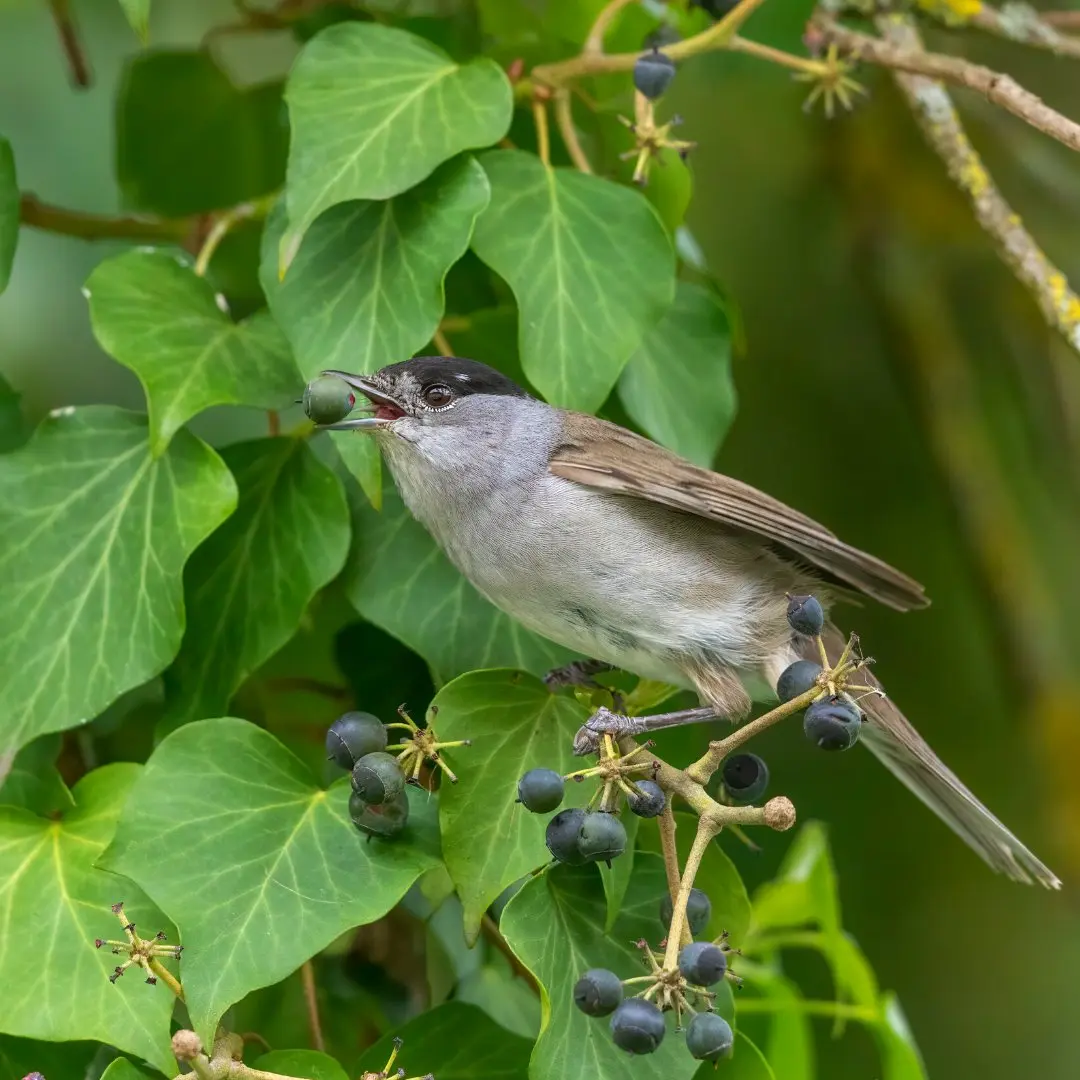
x=515, y=724
x=90, y=595
x=401, y=581
x=555, y=926
x=590, y=264
x=248, y=585
x=899, y=1055
x=152, y=314
x=456, y=1042
x=21, y=1056
x=138, y=17
x=717, y=877
x=258, y=866
x=366, y=286
x=789, y=1044
x=302, y=1063
x=9, y=211
x=13, y=431
x=59, y=901
x=678, y=385
x=34, y=782
x=122, y=1069
x=188, y=141
x=374, y=110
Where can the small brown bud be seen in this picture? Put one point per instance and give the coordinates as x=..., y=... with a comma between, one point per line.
x=780, y=813
x=186, y=1045
x=98, y=943
x=118, y=907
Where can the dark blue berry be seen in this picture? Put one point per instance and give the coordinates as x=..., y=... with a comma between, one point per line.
x=353, y=736
x=387, y=819
x=709, y=1037
x=805, y=615
x=702, y=963
x=377, y=778
x=698, y=911
x=832, y=723
x=540, y=790
x=653, y=73
x=601, y=837
x=637, y=1026
x=598, y=992
x=561, y=836
x=651, y=800
x=797, y=679
x=745, y=777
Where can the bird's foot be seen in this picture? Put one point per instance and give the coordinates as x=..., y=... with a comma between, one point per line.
x=605, y=722
x=577, y=673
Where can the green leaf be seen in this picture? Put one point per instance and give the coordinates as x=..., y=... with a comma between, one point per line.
x=616, y=879
x=9, y=211
x=400, y=580
x=138, y=16
x=590, y=264
x=515, y=724
x=281, y=870
x=306, y=1063
x=248, y=585
x=188, y=141
x=21, y=1056
x=375, y=110
x=455, y=1042
x=804, y=889
x=506, y=997
x=90, y=594
x=677, y=387
x=34, y=782
x=747, y=1063
x=790, y=1045
x=366, y=286
x=152, y=314
x=13, y=430
x=122, y=1069
x=900, y=1056
x=717, y=877
x=53, y=981
x=555, y=925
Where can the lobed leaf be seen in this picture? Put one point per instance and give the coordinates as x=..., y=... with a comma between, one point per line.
x=138, y=17
x=515, y=724
x=311, y=1064
x=374, y=111
x=677, y=387
x=96, y=532
x=55, y=901
x=258, y=866
x=152, y=313
x=590, y=264
x=33, y=782
x=247, y=587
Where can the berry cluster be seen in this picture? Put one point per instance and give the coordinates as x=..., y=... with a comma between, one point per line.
x=832, y=721
x=637, y=1023
x=359, y=742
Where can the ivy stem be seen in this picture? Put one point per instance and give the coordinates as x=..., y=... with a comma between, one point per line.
x=225, y=223
x=167, y=977
x=83, y=226
x=442, y=342
x=564, y=121
x=69, y=39
x=671, y=855
x=543, y=140
x=594, y=43
x=837, y=1009
x=307, y=976
x=706, y=830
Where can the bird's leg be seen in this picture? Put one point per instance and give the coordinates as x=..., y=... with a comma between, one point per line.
x=577, y=673
x=605, y=722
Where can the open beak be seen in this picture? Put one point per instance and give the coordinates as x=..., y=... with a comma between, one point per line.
x=378, y=399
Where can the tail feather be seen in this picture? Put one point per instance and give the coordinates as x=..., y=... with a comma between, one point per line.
x=907, y=755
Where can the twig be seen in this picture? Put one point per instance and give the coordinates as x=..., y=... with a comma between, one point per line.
x=1067, y=20
x=69, y=40
x=1023, y=24
x=594, y=43
x=564, y=121
x=492, y=932
x=224, y=223
x=679, y=932
x=938, y=119
x=307, y=976
x=1002, y=90
x=83, y=226
x=671, y=857
x=442, y=342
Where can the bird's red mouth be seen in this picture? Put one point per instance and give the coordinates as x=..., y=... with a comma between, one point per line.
x=387, y=410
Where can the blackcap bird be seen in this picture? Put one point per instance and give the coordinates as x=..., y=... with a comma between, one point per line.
x=614, y=547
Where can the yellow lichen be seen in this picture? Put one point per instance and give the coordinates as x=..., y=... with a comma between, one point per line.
x=952, y=12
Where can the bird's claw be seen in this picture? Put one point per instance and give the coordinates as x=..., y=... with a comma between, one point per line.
x=603, y=722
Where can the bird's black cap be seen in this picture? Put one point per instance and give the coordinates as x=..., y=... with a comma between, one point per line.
x=463, y=376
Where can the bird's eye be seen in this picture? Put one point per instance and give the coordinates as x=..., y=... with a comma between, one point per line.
x=438, y=396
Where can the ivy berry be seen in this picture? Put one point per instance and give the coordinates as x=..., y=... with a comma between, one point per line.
x=745, y=777
x=601, y=837
x=832, y=723
x=653, y=73
x=598, y=992
x=561, y=836
x=709, y=1037
x=649, y=799
x=353, y=736
x=702, y=963
x=637, y=1026
x=541, y=790
x=698, y=911
x=797, y=679
x=377, y=778
x=805, y=615
x=385, y=820
x=328, y=399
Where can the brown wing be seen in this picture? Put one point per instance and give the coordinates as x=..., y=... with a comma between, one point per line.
x=603, y=455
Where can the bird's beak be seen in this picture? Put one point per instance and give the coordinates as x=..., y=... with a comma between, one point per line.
x=377, y=398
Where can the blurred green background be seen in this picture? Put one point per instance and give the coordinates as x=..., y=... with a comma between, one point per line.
x=896, y=383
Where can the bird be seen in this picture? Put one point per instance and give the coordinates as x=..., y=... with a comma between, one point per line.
x=619, y=549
